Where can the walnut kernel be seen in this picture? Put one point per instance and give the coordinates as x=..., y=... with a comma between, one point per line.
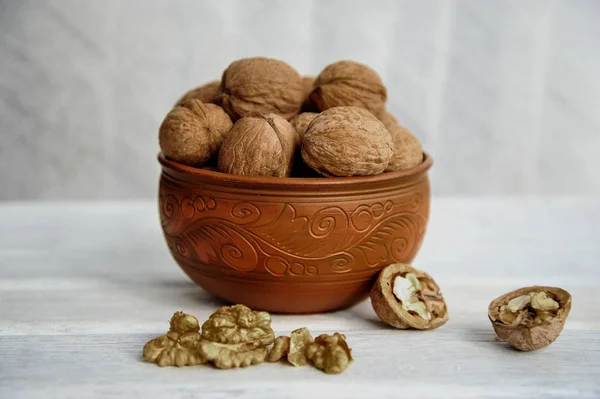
x=330, y=353
x=299, y=339
x=179, y=346
x=240, y=326
x=280, y=349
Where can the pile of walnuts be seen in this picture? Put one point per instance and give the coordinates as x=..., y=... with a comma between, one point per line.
x=264, y=119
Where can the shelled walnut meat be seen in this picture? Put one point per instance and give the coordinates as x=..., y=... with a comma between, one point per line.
x=263, y=85
x=179, y=347
x=193, y=131
x=237, y=336
x=329, y=353
x=347, y=141
x=530, y=318
x=259, y=145
x=405, y=297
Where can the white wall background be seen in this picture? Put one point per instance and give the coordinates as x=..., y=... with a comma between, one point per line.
x=504, y=94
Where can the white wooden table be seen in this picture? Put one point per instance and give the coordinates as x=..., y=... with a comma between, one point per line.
x=84, y=285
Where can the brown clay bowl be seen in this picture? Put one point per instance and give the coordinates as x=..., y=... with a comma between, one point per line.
x=291, y=245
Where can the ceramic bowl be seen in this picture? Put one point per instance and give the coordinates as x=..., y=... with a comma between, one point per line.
x=291, y=245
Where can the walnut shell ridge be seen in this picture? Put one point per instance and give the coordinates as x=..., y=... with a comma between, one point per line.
x=192, y=132
x=262, y=85
x=345, y=83
x=408, y=151
x=259, y=145
x=207, y=93
x=347, y=141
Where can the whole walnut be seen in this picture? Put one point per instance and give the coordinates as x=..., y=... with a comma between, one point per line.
x=301, y=122
x=206, y=93
x=347, y=141
x=408, y=151
x=346, y=83
x=192, y=132
x=261, y=85
x=259, y=145
x=307, y=88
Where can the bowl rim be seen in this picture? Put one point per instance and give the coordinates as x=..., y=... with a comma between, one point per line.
x=266, y=181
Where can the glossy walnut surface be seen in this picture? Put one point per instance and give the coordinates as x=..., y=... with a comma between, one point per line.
x=291, y=245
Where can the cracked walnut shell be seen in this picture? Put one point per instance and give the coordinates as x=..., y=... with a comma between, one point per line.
x=530, y=318
x=346, y=83
x=260, y=84
x=347, y=141
x=206, y=93
x=405, y=297
x=259, y=145
x=408, y=151
x=192, y=132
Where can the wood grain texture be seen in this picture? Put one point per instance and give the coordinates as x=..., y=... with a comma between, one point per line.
x=84, y=286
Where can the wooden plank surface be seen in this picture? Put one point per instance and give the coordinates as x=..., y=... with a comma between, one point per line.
x=84, y=285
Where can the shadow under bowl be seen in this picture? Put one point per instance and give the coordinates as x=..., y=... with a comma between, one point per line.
x=291, y=245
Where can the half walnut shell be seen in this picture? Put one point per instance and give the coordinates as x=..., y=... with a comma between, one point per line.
x=526, y=333
x=432, y=311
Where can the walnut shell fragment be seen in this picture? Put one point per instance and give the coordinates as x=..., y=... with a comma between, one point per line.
x=346, y=83
x=347, y=141
x=530, y=318
x=405, y=297
x=259, y=145
x=179, y=347
x=330, y=353
x=207, y=93
x=407, y=149
x=192, y=132
x=262, y=85
x=299, y=340
x=301, y=121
